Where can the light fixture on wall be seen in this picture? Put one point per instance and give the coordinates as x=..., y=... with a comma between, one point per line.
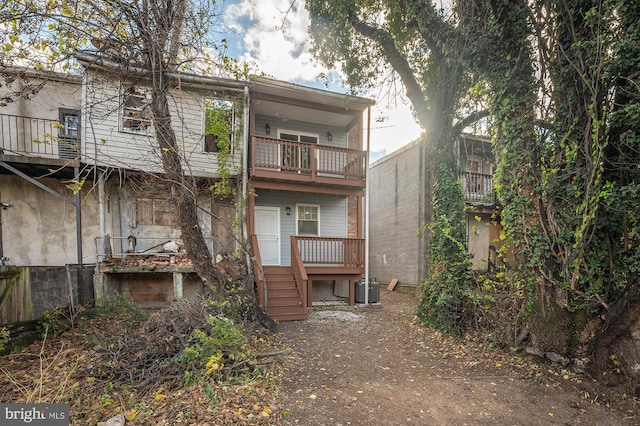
x=329, y=136
x=288, y=210
x=267, y=128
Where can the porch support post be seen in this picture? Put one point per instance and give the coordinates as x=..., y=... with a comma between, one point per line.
x=309, y=293
x=178, y=282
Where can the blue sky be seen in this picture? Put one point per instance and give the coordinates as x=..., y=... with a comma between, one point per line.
x=263, y=32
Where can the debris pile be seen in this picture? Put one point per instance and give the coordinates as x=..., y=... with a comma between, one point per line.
x=150, y=359
x=149, y=261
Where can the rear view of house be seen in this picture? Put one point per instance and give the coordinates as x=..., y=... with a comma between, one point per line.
x=398, y=195
x=307, y=176
x=294, y=157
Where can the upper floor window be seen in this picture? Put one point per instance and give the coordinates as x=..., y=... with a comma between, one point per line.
x=69, y=123
x=219, y=125
x=136, y=110
x=308, y=218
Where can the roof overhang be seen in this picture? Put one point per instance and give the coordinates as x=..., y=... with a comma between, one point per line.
x=293, y=102
x=92, y=61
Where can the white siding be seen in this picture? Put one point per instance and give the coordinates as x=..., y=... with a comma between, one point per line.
x=105, y=145
x=28, y=126
x=333, y=215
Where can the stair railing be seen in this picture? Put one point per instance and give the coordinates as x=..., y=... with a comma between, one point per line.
x=299, y=273
x=258, y=273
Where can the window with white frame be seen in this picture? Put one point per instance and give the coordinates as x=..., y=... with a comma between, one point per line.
x=308, y=219
x=297, y=156
x=219, y=124
x=136, y=110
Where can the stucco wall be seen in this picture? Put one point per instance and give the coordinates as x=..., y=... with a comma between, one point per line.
x=39, y=229
x=395, y=188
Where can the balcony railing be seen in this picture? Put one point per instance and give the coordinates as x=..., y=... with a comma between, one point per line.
x=340, y=252
x=478, y=188
x=317, y=162
x=36, y=137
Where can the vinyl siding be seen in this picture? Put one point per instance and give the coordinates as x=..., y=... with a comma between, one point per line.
x=105, y=145
x=339, y=134
x=333, y=216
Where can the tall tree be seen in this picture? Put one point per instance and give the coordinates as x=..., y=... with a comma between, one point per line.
x=563, y=83
x=377, y=42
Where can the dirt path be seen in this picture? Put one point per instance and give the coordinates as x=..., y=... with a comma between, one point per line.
x=372, y=366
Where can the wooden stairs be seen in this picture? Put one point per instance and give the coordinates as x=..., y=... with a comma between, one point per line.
x=284, y=302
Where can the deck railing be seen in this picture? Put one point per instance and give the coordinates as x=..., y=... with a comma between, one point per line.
x=319, y=251
x=299, y=274
x=305, y=158
x=258, y=272
x=36, y=137
x=478, y=188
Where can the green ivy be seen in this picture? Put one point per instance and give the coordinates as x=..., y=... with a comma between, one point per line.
x=450, y=297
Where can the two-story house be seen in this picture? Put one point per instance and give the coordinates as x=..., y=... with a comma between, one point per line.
x=297, y=161
x=398, y=239
x=307, y=178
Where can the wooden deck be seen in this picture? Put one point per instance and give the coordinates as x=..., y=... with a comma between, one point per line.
x=286, y=292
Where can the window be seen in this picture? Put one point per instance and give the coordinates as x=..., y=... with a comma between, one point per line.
x=68, y=132
x=297, y=156
x=308, y=220
x=136, y=110
x=69, y=123
x=154, y=211
x=219, y=125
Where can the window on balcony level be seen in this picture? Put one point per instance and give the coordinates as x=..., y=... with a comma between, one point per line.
x=296, y=156
x=68, y=133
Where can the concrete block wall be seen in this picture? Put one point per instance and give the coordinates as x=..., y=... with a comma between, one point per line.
x=51, y=286
x=395, y=217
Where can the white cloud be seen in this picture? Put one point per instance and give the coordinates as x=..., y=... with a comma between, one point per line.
x=275, y=37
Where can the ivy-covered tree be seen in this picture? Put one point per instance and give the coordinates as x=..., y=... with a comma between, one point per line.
x=377, y=43
x=568, y=175
x=563, y=83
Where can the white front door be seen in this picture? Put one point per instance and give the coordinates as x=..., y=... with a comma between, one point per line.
x=267, y=222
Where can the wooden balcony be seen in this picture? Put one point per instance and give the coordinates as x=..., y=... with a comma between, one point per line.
x=478, y=188
x=282, y=160
x=36, y=140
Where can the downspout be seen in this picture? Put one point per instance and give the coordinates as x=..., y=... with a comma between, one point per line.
x=366, y=213
x=101, y=212
x=76, y=172
x=101, y=195
x=245, y=163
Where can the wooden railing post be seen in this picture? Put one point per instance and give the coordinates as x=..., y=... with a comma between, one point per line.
x=314, y=169
x=299, y=272
x=258, y=273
